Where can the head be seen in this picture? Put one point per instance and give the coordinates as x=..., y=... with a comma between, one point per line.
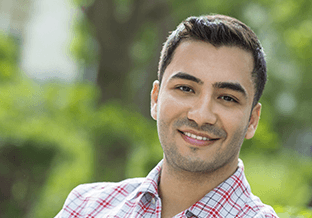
x=211, y=75
x=218, y=30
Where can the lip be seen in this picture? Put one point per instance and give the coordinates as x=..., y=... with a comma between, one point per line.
x=197, y=142
x=198, y=134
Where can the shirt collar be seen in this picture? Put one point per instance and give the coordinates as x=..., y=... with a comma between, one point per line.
x=150, y=183
x=235, y=185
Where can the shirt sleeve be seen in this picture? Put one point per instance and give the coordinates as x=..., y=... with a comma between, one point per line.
x=72, y=206
x=268, y=214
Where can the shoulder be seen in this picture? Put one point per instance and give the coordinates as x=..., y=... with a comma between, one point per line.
x=86, y=197
x=255, y=208
x=105, y=188
x=266, y=212
x=250, y=205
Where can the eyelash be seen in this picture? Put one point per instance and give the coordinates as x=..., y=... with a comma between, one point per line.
x=182, y=88
x=229, y=100
x=189, y=89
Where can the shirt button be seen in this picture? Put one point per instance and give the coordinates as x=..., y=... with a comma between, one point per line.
x=153, y=201
x=189, y=214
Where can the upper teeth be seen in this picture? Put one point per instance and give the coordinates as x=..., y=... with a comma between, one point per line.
x=196, y=136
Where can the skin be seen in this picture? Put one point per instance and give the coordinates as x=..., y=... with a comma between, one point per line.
x=206, y=91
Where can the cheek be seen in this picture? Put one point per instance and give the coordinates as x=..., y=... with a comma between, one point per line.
x=233, y=120
x=169, y=108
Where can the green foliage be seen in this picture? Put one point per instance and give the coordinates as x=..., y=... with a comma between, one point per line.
x=144, y=47
x=84, y=47
x=34, y=116
x=8, y=58
x=292, y=212
x=84, y=3
x=56, y=136
x=270, y=175
x=49, y=133
x=123, y=9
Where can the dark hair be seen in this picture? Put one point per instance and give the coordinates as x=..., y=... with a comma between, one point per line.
x=218, y=30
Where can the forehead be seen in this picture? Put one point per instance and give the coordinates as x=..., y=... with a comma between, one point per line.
x=213, y=64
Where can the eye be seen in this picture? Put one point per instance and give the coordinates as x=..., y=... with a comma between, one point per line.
x=185, y=89
x=228, y=98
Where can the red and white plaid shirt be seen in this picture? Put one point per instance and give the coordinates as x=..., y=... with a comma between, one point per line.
x=139, y=197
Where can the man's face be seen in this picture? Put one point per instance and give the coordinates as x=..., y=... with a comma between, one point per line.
x=203, y=106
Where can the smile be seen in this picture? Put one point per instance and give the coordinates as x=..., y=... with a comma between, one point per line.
x=196, y=140
x=196, y=136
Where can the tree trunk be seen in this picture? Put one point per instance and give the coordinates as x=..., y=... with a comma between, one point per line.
x=115, y=34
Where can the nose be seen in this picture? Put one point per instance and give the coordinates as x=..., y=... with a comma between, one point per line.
x=203, y=112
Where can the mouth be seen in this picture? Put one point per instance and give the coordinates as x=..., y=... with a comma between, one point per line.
x=197, y=139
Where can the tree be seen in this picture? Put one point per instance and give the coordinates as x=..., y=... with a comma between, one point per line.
x=56, y=136
x=117, y=26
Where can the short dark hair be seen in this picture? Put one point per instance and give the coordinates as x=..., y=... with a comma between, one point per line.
x=218, y=30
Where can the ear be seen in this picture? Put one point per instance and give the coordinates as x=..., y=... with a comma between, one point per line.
x=253, y=121
x=154, y=99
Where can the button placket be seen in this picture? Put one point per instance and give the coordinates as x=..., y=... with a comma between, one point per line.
x=189, y=214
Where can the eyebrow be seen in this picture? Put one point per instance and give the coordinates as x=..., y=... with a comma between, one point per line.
x=220, y=85
x=232, y=86
x=182, y=75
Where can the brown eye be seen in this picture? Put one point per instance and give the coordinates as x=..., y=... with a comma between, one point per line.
x=185, y=89
x=228, y=98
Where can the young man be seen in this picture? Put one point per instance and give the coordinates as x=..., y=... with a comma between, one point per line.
x=211, y=76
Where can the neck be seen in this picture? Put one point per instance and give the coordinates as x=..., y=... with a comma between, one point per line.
x=176, y=184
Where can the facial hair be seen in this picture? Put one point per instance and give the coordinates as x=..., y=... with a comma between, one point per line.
x=192, y=163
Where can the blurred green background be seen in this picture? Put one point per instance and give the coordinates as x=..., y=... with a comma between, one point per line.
x=56, y=134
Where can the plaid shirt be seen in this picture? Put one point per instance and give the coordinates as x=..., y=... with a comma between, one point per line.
x=139, y=197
